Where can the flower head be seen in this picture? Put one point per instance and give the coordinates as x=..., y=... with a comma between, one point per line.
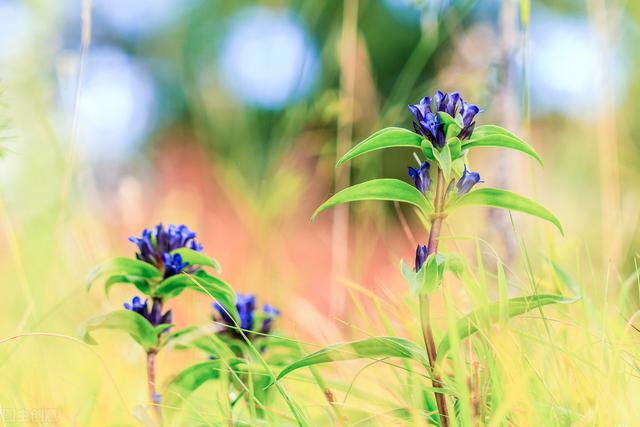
x=172, y=264
x=154, y=316
x=420, y=177
x=428, y=123
x=468, y=180
x=246, y=306
x=422, y=252
x=154, y=246
x=468, y=112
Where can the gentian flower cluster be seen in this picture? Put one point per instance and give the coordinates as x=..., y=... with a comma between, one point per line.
x=430, y=125
x=155, y=246
x=155, y=317
x=246, y=306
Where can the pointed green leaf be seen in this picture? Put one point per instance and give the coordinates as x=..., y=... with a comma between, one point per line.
x=457, y=167
x=201, y=282
x=124, y=266
x=443, y=158
x=186, y=382
x=385, y=138
x=378, y=189
x=197, y=258
x=566, y=278
x=125, y=321
x=411, y=277
x=495, y=136
x=122, y=279
x=454, y=263
x=162, y=328
x=484, y=316
x=507, y=200
x=369, y=348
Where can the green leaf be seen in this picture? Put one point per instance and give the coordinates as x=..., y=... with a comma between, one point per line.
x=470, y=324
x=197, y=258
x=125, y=321
x=444, y=160
x=124, y=267
x=495, y=136
x=427, y=149
x=457, y=166
x=385, y=138
x=507, y=200
x=214, y=345
x=451, y=127
x=122, y=279
x=431, y=273
x=379, y=189
x=201, y=282
x=455, y=147
x=411, y=277
x=188, y=381
x=162, y=327
x=454, y=263
x=369, y=348
x=566, y=278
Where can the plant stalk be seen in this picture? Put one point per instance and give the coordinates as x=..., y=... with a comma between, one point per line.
x=151, y=368
x=425, y=315
x=151, y=382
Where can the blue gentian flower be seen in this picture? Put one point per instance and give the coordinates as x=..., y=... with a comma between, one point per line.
x=154, y=247
x=468, y=180
x=428, y=123
x=468, y=112
x=172, y=264
x=420, y=177
x=154, y=316
x=421, y=256
x=246, y=306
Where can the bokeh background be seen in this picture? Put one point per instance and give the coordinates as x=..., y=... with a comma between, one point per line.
x=228, y=116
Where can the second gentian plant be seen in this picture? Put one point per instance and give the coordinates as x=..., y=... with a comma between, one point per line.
x=168, y=260
x=444, y=134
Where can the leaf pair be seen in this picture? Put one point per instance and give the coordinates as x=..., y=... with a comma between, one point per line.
x=125, y=321
x=483, y=136
x=400, y=191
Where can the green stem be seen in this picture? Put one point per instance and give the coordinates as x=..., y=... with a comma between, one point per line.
x=151, y=383
x=151, y=372
x=425, y=315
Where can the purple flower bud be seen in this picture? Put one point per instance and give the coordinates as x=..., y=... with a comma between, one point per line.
x=452, y=104
x=421, y=109
x=421, y=256
x=420, y=177
x=468, y=112
x=468, y=180
x=440, y=99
